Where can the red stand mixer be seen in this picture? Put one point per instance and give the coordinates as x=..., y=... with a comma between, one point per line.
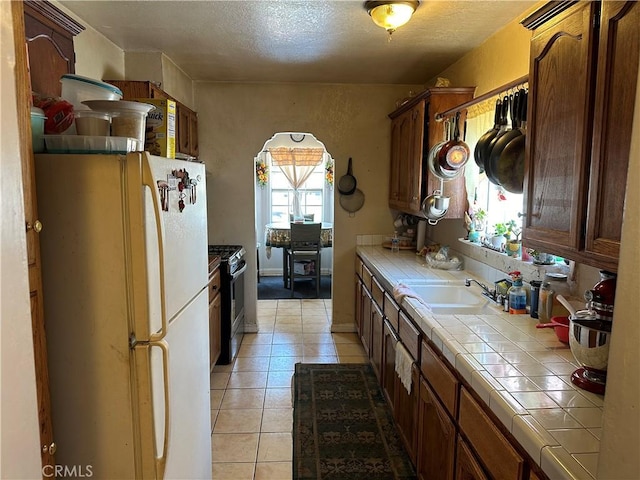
x=590, y=334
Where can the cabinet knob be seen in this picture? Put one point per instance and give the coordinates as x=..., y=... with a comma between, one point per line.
x=36, y=227
x=50, y=449
x=414, y=198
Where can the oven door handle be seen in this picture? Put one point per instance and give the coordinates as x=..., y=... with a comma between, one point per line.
x=239, y=272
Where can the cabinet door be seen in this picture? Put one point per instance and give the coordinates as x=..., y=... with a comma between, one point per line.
x=49, y=34
x=183, y=144
x=375, y=352
x=193, y=133
x=559, y=122
x=365, y=336
x=467, y=467
x=358, y=306
x=389, y=375
x=403, y=161
x=215, y=332
x=617, y=71
x=436, y=438
x=406, y=412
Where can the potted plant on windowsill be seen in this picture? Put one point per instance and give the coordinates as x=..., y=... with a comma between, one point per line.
x=498, y=238
x=514, y=245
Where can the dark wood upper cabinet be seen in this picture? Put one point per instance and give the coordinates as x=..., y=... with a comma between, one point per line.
x=583, y=74
x=49, y=33
x=414, y=131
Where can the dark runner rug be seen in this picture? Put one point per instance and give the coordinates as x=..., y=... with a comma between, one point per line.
x=272, y=288
x=342, y=426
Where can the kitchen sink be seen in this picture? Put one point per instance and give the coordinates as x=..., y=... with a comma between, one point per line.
x=453, y=298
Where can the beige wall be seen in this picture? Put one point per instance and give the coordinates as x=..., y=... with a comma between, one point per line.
x=19, y=437
x=501, y=58
x=235, y=120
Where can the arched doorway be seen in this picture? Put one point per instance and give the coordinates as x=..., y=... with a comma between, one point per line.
x=277, y=200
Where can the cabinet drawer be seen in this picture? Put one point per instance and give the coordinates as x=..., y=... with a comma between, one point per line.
x=214, y=285
x=366, y=277
x=391, y=311
x=441, y=379
x=409, y=335
x=493, y=449
x=377, y=292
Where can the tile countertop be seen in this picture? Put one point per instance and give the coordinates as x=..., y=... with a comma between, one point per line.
x=522, y=373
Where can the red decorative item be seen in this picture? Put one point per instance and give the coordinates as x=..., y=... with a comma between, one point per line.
x=59, y=117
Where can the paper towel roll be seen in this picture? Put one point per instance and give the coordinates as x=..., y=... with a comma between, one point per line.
x=421, y=234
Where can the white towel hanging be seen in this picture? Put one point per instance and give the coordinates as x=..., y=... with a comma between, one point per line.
x=404, y=361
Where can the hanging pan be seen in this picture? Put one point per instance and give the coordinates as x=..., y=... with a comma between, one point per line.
x=347, y=183
x=495, y=163
x=454, y=154
x=352, y=203
x=510, y=171
x=478, y=153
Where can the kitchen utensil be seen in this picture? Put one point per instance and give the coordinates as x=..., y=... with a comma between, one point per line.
x=433, y=162
x=561, y=327
x=352, y=203
x=435, y=206
x=478, y=152
x=347, y=183
x=497, y=163
x=566, y=304
x=489, y=165
x=502, y=127
x=589, y=340
x=455, y=153
x=510, y=172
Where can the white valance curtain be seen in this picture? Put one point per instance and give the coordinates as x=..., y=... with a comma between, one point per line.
x=297, y=164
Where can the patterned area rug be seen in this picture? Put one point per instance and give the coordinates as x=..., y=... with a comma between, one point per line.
x=342, y=426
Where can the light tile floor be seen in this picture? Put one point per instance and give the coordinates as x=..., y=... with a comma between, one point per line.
x=251, y=410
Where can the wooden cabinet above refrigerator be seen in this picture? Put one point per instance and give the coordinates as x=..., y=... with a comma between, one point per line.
x=413, y=132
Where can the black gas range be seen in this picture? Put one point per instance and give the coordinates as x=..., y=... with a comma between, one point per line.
x=232, y=268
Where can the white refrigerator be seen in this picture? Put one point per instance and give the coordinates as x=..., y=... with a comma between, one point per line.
x=124, y=267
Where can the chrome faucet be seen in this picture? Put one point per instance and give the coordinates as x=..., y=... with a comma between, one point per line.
x=487, y=292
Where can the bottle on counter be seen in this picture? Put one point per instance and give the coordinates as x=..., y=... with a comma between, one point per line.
x=395, y=243
x=535, y=296
x=517, y=295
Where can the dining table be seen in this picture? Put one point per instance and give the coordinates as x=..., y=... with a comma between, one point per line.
x=279, y=235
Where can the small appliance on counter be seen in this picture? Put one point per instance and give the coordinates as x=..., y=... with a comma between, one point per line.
x=590, y=335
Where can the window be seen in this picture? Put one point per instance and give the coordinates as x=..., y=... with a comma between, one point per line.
x=312, y=195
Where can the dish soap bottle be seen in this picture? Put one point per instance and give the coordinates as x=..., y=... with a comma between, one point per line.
x=395, y=243
x=517, y=295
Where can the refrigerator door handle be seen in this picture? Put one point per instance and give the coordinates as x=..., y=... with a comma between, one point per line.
x=148, y=181
x=161, y=461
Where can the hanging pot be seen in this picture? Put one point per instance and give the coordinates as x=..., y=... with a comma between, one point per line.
x=347, y=183
x=455, y=153
x=484, y=139
x=432, y=159
x=435, y=207
x=352, y=203
x=510, y=169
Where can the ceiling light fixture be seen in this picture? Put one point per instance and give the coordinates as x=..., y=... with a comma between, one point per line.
x=391, y=14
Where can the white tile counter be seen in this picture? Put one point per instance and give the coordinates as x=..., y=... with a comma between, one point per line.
x=521, y=372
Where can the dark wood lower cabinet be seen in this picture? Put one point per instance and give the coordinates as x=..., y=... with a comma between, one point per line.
x=365, y=335
x=389, y=375
x=436, y=438
x=467, y=467
x=358, y=314
x=406, y=412
x=375, y=352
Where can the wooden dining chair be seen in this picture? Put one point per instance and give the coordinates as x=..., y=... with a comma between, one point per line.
x=305, y=247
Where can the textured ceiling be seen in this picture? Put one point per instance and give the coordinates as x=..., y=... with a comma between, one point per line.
x=313, y=41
